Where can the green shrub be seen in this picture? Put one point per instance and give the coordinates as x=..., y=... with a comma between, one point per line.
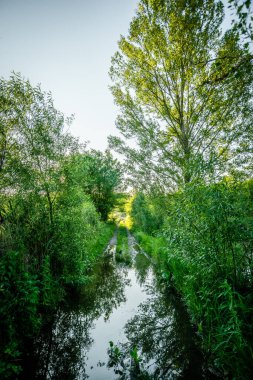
x=19, y=310
x=209, y=237
x=122, y=249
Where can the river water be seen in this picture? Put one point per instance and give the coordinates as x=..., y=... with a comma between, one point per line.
x=129, y=307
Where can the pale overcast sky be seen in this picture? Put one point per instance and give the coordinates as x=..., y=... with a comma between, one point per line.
x=66, y=45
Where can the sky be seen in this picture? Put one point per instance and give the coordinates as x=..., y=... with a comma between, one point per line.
x=66, y=46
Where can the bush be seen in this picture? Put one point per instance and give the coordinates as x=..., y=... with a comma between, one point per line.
x=210, y=241
x=19, y=311
x=146, y=214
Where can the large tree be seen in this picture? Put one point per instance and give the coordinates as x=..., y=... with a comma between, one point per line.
x=33, y=142
x=184, y=91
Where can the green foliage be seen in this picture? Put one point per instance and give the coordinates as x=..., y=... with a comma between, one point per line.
x=243, y=22
x=122, y=249
x=204, y=248
x=19, y=291
x=99, y=175
x=146, y=213
x=126, y=362
x=210, y=242
x=51, y=291
x=100, y=241
x=134, y=355
x=122, y=242
x=141, y=214
x=184, y=91
x=121, y=199
x=75, y=225
x=114, y=354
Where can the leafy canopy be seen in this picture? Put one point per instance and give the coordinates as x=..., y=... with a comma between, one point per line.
x=184, y=91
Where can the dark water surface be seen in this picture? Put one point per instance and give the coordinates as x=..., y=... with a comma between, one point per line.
x=129, y=307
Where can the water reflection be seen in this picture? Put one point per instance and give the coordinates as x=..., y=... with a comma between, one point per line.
x=129, y=307
x=142, y=266
x=60, y=352
x=106, y=292
x=161, y=334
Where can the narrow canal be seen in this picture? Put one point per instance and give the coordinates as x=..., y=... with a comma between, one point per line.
x=147, y=325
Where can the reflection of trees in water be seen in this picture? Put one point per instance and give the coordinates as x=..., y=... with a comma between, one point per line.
x=106, y=291
x=161, y=331
x=60, y=351
x=142, y=265
x=164, y=339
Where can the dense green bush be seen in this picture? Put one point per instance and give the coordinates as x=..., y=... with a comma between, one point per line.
x=205, y=247
x=19, y=295
x=210, y=243
x=98, y=175
x=76, y=223
x=146, y=214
